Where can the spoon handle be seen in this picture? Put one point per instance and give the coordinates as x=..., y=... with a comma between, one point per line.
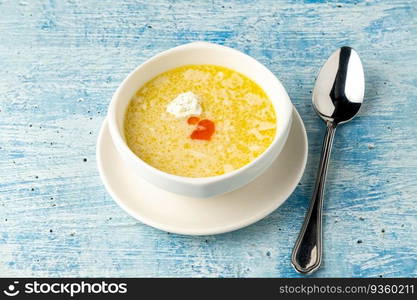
x=306, y=255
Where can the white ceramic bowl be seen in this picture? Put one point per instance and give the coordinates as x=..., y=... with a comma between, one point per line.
x=201, y=53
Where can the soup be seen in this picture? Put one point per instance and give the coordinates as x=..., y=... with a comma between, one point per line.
x=199, y=121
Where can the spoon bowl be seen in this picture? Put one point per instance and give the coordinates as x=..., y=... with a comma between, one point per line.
x=340, y=87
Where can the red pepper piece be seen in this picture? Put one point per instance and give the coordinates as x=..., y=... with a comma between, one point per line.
x=205, y=129
x=193, y=120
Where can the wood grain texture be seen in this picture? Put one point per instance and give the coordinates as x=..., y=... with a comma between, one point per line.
x=60, y=62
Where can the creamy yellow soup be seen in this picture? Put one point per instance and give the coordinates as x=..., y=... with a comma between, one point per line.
x=243, y=117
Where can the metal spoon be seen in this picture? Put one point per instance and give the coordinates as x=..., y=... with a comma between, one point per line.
x=337, y=97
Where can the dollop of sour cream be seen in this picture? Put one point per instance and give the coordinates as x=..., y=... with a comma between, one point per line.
x=185, y=105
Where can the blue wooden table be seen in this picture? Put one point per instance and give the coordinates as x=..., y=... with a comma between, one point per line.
x=61, y=61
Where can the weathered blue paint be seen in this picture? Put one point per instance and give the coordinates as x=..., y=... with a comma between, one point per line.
x=61, y=61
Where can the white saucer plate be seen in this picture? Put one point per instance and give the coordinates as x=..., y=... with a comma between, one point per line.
x=192, y=216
